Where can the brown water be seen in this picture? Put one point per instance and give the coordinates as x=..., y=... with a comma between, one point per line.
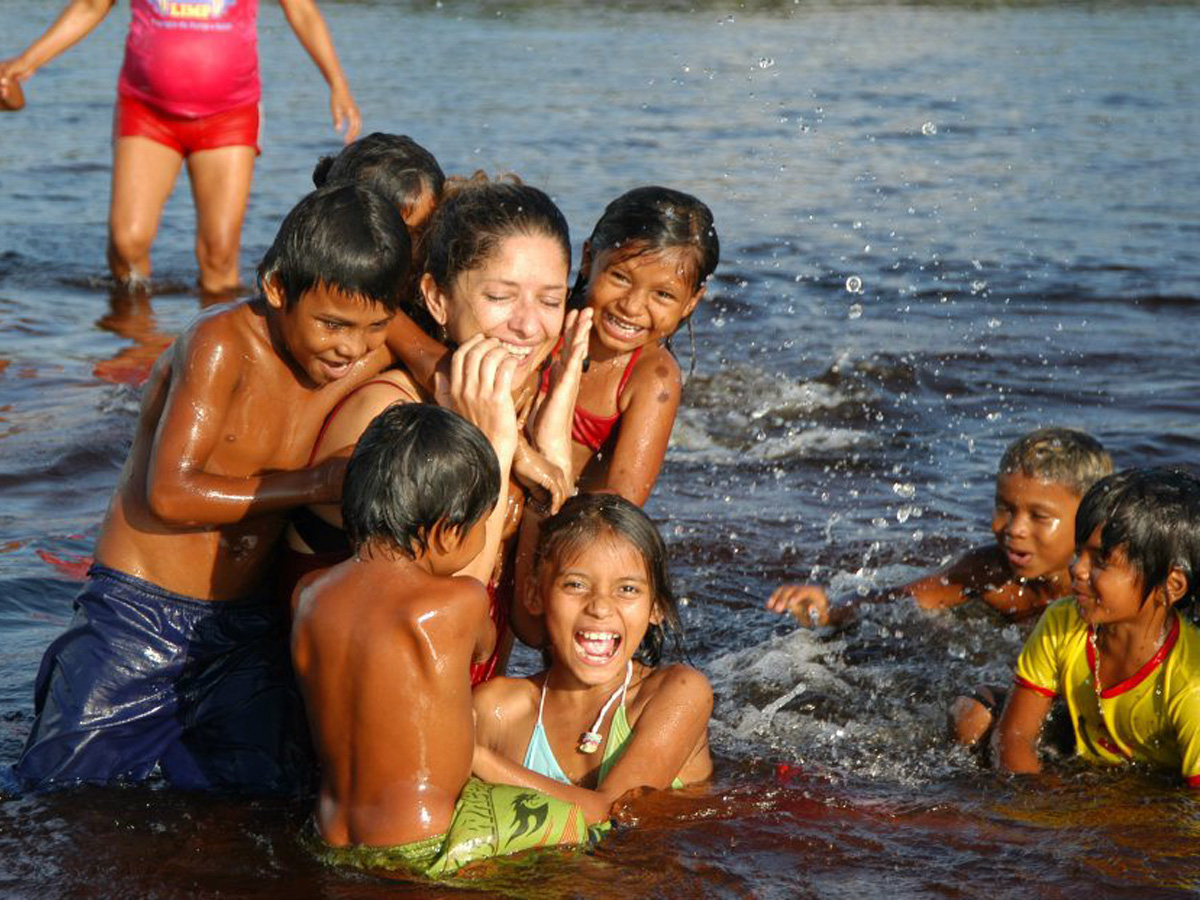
x=943, y=224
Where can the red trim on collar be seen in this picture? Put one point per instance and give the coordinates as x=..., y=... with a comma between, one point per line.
x=1141, y=674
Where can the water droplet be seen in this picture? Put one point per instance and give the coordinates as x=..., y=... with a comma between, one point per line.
x=854, y=284
x=856, y=311
x=928, y=129
x=993, y=323
x=765, y=62
x=904, y=490
x=978, y=286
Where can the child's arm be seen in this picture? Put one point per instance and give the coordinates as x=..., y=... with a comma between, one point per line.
x=73, y=24
x=1016, y=738
x=420, y=354
x=951, y=586
x=180, y=490
x=653, y=390
x=310, y=28
x=666, y=737
x=481, y=375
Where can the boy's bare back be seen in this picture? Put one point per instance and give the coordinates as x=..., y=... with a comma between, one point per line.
x=382, y=649
x=219, y=455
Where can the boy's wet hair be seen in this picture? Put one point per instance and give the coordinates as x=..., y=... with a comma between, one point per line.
x=1153, y=516
x=1062, y=455
x=477, y=215
x=654, y=219
x=586, y=518
x=417, y=465
x=345, y=238
x=393, y=164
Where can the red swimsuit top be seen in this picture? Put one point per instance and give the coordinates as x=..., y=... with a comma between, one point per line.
x=587, y=428
x=192, y=58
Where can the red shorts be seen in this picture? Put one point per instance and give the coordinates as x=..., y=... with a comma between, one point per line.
x=232, y=128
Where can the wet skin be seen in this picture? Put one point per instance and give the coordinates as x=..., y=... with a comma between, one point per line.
x=229, y=416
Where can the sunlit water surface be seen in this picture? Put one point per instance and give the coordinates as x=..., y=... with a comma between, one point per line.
x=943, y=225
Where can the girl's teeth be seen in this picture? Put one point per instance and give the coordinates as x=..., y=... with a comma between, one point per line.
x=597, y=645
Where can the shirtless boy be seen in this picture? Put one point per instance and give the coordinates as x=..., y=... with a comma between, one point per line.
x=383, y=642
x=174, y=657
x=1041, y=479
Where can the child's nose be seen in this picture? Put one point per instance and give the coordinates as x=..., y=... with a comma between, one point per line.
x=353, y=344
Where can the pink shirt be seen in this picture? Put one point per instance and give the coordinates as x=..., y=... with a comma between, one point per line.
x=193, y=58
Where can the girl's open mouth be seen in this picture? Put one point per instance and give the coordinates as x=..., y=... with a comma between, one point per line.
x=596, y=647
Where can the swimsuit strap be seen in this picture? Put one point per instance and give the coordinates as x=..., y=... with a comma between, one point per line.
x=633, y=358
x=619, y=692
x=333, y=412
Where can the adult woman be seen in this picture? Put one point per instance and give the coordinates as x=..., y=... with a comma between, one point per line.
x=499, y=255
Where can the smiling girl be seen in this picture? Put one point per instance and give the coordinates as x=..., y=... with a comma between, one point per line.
x=605, y=718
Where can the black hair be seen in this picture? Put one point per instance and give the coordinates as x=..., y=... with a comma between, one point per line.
x=587, y=517
x=1153, y=515
x=650, y=220
x=1063, y=455
x=345, y=237
x=417, y=465
x=477, y=214
x=393, y=164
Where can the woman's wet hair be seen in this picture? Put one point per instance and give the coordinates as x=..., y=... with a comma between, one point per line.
x=586, y=518
x=1153, y=516
x=393, y=164
x=477, y=214
x=1062, y=455
x=654, y=220
x=346, y=238
x=415, y=466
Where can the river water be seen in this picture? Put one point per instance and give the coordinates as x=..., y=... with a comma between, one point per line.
x=943, y=224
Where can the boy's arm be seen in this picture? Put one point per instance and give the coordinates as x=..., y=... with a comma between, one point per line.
x=950, y=586
x=644, y=431
x=420, y=354
x=1016, y=737
x=179, y=490
x=310, y=28
x=73, y=24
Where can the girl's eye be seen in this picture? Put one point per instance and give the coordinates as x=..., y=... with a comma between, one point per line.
x=665, y=296
x=573, y=584
x=618, y=276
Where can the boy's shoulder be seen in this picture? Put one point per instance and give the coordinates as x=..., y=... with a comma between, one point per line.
x=240, y=326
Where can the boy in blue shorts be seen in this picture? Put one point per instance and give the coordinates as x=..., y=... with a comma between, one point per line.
x=175, y=658
x=1119, y=651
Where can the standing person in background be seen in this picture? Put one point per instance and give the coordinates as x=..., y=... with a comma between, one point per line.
x=188, y=91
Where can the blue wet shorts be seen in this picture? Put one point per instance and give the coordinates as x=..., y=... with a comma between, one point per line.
x=143, y=677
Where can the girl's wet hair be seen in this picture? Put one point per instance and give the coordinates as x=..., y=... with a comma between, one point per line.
x=477, y=215
x=346, y=238
x=393, y=164
x=652, y=220
x=417, y=465
x=1153, y=516
x=587, y=518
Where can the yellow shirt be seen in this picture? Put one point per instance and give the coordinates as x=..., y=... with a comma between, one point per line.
x=1152, y=716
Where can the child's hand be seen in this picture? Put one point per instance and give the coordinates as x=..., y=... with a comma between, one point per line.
x=807, y=602
x=346, y=117
x=332, y=474
x=481, y=377
x=535, y=472
x=550, y=424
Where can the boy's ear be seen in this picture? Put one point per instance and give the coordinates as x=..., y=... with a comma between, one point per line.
x=533, y=597
x=1176, y=586
x=273, y=291
x=435, y=301
x=442, y=538
x=690, y=307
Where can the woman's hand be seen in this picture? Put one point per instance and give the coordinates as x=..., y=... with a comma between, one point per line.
x=480, y=390
x=550, y=425
x=347, y=120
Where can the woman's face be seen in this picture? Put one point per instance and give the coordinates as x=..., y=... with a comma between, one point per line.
x=517, y=295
